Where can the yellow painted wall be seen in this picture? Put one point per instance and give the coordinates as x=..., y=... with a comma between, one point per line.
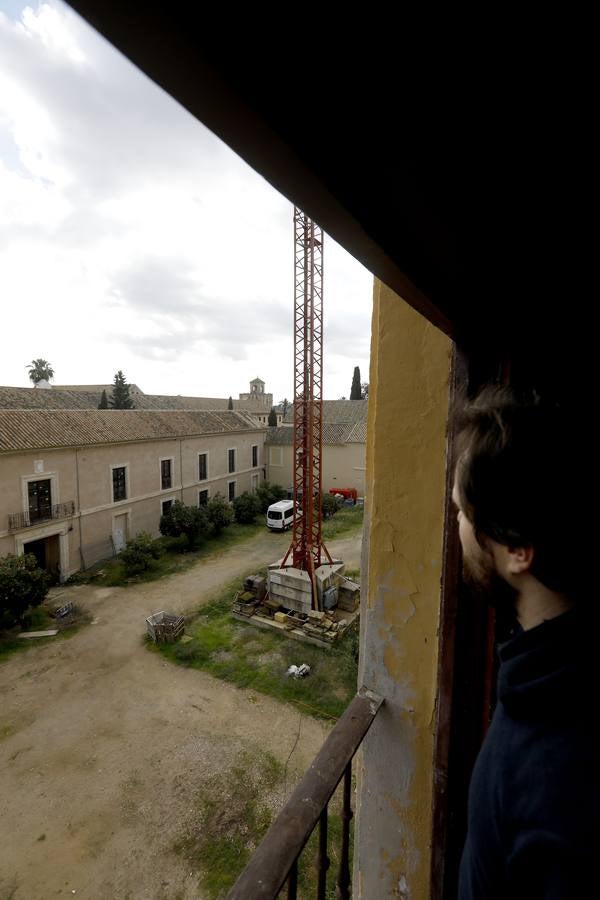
x=402, y=567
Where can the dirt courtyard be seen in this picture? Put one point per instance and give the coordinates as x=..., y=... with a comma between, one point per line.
x=103, y=744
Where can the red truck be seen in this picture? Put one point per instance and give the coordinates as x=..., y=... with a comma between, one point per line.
x=346, y=493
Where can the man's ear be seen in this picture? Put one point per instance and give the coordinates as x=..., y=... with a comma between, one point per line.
x=518, y=560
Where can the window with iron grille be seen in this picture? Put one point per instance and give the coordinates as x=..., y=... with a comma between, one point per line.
x=232, y=490
x=202, y=498
x=254, y=455
x=165, y=474
x=231, y=460
x=119, y=483
x=202, y=467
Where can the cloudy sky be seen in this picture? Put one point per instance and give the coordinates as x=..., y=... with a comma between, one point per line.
x=132, y=238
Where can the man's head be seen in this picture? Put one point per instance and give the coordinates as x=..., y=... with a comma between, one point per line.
x=481, y=564
x=518, y=492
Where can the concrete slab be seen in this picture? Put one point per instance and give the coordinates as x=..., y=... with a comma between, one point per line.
x=35, y=634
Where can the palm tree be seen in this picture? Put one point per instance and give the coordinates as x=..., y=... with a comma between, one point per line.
x=40, y=370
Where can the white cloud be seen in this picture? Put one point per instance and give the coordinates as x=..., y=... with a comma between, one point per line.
x=131, y=237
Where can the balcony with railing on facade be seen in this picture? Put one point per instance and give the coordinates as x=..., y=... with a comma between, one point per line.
x=19, y=520
x=275, y=861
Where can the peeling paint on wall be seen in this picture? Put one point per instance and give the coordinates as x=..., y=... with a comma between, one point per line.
x=408, y=403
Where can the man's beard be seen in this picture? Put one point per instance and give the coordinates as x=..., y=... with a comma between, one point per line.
x=482, y=577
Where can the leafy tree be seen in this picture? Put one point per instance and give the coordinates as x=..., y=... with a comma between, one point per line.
x=246, y=508
x=40, y=370
x=139, y=553
x=120, y=399
x=329, y=505
x=272, y=418
x=22, y=584
x=269, y=493
x=355, y=392
x=219, y=512
x=189, y=520
x=364, y=388
x=230, y=403
x=103, y=401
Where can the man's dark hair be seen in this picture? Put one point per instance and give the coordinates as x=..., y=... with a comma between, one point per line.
x=521, y=479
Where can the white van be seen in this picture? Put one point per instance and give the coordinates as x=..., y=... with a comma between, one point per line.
x=280, y=516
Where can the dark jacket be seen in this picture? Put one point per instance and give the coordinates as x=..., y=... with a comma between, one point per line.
x=534, y=800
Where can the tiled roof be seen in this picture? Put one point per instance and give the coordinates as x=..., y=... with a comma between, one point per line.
x=358, y=435
x=344, y=422
x=281, y=435
x=93, y=388
x=332, y=434
x=32, y=398
x=338, y=412
x=27, y=429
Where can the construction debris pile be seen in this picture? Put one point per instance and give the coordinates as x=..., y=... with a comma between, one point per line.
x=320, y=627
x=300, y=671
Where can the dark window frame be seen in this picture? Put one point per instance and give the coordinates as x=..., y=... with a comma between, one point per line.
x=166, y=476
x=202, y=466
x=39, y=502
x=119, y=483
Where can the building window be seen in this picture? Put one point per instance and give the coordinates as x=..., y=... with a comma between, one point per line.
x=119, y=483
x=254, y=483
x=202, y=466
x=254, y=455
x=276, y=456
x=166, y=506
x=39, y=500
x=231, y=491
x=166, y=478
x=202, y=498
x=231, y=460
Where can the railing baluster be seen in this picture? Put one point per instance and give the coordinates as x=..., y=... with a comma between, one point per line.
x=16, y=521
x=343, y=882
x=293, y=882
x=274, y=862
x=323, y=861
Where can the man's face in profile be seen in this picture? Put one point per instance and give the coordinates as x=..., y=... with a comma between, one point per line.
x=479, y=566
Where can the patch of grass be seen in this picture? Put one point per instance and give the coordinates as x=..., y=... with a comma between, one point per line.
x=235, y=810
x=39, y=619
x=254, y=658
x=347, y=520
x=10, y=645
x=6, y=731
x=234, y=815
x=177, y=557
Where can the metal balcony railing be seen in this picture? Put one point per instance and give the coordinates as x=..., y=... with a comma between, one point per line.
x=275, y=860
x=29, y=518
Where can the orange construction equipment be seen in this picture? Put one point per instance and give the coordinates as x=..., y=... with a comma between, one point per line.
x=307, y=551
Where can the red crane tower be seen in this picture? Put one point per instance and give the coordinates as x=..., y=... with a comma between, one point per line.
x=307, y=550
